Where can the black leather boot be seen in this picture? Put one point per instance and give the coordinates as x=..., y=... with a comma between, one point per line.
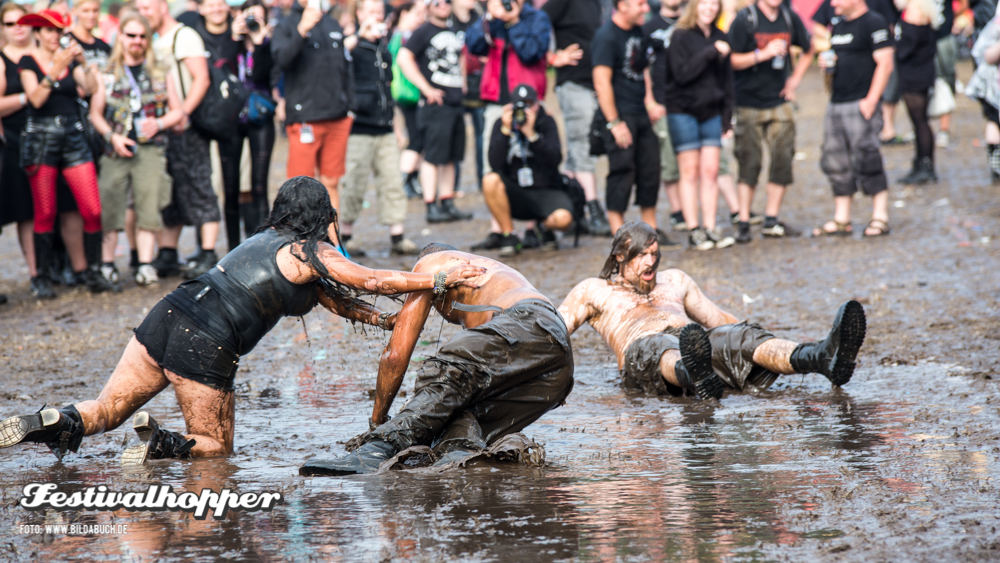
x=437, y=215
x=597, y=222
x=61, y=430
x=155, y=442
x=694, y=371
x=166, y=263
x=365, y=459
x=41, y=284
x=835, y=356
x=96, y=282
x=448, y=206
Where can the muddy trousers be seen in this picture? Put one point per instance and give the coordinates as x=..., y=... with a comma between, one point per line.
x=487, y=382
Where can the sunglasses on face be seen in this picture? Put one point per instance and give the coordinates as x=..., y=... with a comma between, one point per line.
x=9, y=24
x=135, y=35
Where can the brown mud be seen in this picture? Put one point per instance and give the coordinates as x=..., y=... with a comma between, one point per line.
x=899, y=464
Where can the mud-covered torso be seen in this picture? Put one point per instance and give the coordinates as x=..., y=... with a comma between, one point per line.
x=254, y=291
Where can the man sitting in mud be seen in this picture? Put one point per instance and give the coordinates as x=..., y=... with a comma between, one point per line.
x=511, y=364
x=194, y=337
x=655, y=323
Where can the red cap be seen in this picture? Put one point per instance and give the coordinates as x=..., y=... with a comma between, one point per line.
x=45, y=18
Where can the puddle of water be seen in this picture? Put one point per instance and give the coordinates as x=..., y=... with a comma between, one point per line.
x=629, y=478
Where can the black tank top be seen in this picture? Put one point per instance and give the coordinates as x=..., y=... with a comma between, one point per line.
x=14, y=123
x=253, y=290
x=62, y=99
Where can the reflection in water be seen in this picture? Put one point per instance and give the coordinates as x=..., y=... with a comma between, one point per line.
x=629, y=478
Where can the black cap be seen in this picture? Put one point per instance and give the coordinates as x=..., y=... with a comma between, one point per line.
x=524, y=93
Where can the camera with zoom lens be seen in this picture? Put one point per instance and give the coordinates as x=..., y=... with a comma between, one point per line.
x=65, y=42
x=252, y=24
x=507, y=5
x=520, y=115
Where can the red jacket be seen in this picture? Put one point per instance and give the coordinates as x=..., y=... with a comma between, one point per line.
x=517, y=73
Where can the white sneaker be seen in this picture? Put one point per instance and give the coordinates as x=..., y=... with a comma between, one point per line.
x=146, y=275
x=721, y=241
x=109, y=272
x=942, y=139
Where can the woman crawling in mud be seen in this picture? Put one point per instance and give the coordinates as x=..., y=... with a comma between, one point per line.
x=193, y=338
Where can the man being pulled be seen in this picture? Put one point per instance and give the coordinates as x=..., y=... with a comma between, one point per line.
x=193, y=338
x=655, y=322
x=511, y=364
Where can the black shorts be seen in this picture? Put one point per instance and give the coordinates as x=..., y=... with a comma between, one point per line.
x=442, y=129
x=732, y=359
x=989, y=112
x=416, y=142
x=179, y=345
x=638, y=165
x=54, y=141
x=534, y=204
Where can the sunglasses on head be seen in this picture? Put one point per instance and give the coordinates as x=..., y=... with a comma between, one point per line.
x=135, y=35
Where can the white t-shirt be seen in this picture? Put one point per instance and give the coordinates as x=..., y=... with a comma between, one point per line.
x=189, y=44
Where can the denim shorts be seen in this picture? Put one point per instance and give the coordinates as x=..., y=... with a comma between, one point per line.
x=689, y=134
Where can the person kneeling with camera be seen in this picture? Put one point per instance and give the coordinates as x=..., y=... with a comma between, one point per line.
x=525, y=184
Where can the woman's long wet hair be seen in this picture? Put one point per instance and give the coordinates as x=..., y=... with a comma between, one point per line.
x=630, y=240
x=303, y=210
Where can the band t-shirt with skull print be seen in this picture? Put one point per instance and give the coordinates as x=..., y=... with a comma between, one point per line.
x=625, y=52
x=438, y=51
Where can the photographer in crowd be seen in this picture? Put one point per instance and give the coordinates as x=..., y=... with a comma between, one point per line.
x=525, y=183
x=134, y=103
x=371, y=148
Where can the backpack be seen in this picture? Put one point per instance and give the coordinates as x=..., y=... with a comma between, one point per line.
x=219, y=110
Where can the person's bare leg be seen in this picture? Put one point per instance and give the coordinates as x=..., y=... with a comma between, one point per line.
x=615, y=219
x=429, y=181
x=992, y=133
x=746, y=193
x=709, y=189
x=842, y=208
x=71, y=229
x=409, y=161
x=446, y=181
x=27, y=241
x=727, y=187
x=648, y=215
x=688, y=163
x=209, y=234
x=775, y=355
x=136, y=380
x=888, y=122
x=667, y=362
x=775, y=195
x=108, y=244
x=496, y=200
x=145, y=245
x=559, y=220
x=130, y=229
x=589, y=184
x=945, y=124
x=170, y=236
x=880, y=210
x=673, y=192
x=210, y=415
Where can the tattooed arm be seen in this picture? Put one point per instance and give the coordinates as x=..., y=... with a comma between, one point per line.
x=396, y=356
x=577, y=308
x=701, y=309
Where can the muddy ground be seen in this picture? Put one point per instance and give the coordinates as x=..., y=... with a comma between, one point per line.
x=900, y=464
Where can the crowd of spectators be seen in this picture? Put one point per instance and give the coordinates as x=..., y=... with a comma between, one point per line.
x=115, y=122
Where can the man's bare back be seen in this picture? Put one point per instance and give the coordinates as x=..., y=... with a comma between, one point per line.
x=621, y=314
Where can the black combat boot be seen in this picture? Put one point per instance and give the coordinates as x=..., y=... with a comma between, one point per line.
x=202, y=264
x=437, y=215
x=923, y=172
x=834, y=357
x=597, y=222
x=448, y=206
x=155, y=442
x=96, y=282
x=166, y=263
x=365, y=459
x=61, y=430
x=694, y=371
x=41, y=284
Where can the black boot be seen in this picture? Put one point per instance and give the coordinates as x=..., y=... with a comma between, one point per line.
x=166, y=263
x=202, y=264
x=694, y=371
x=155, y=442
x=597, y=222
x=448, y=206
x=253, y=215
x=834, y=357
x=908, y=178
x=411, y=186
x=365, y=459
x=924, y=171
x=61, y=430
x=437, y=215
x=233, y=225
x=95, y=281
x=41, y=284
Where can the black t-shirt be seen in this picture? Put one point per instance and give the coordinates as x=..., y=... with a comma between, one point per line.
x=854, y=42
x=916, y=46
x=438, y=51
x=657, y=32
x=221, y=47
x=760, y=85
x=577, y=25
x=824, y=15
x=96, y=52
x=62, y=99
x=628, y=56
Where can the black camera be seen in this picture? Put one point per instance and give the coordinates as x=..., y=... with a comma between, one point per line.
x=520, y=116
x=252, y=24
x=507, y=5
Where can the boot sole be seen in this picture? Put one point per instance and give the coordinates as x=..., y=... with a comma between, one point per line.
x=144, y=426
x=696, y=350
x=853, y=326
x=16, y=429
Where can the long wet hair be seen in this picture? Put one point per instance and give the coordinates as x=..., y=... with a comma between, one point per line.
x=630, y=240
x=303, y=211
